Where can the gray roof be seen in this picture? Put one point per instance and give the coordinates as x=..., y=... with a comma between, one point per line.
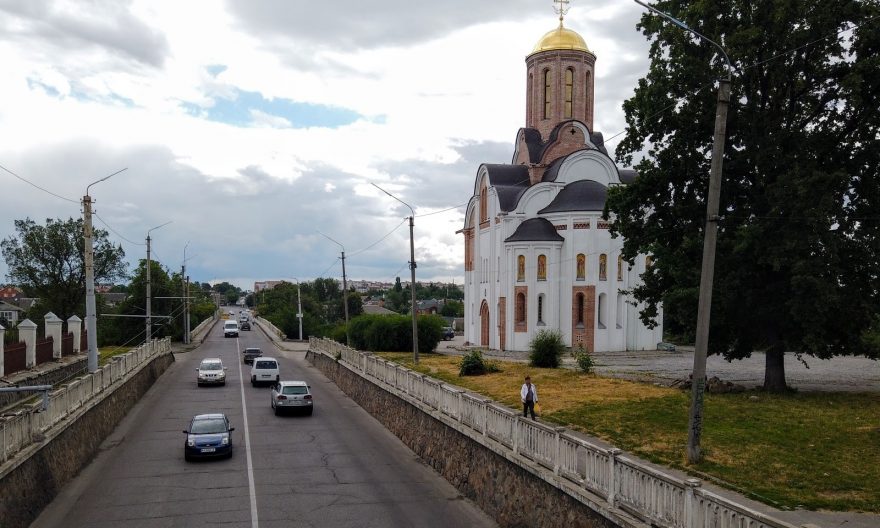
x=374, y=309
x=534, y=230
x=628, y=176
x=581, y=195
x=6, y=307
x=509, y=181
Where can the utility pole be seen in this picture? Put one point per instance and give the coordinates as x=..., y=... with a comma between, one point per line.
x=183, y=293
x=299, y=308
x=148, y=331
x=707, y=271
x=91, y=316
x=344, y=288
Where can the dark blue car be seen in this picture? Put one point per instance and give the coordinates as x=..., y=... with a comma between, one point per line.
x=208, y=435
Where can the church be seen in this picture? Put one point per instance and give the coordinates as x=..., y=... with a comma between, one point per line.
x=538, y=255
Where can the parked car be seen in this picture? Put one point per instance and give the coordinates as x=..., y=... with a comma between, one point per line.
x=669, y=347
x=211, y=371
x=292, y=395
x=230, y=329
x=245, y=325
x=248, y=354
x=448, y=333
x=208, y=436
x=265, y=370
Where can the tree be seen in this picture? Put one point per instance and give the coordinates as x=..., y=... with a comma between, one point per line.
x=48, y=262
x=798, y=240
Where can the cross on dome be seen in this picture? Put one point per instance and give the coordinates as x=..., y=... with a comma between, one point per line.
x=561, y=8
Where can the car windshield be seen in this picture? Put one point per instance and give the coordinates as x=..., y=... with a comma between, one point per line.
x=213, y=365
x=294, y=389
x=252, y=350
x=266, y=365
x=208, y=426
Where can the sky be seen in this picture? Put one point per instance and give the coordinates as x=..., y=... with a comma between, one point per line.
x=259, y=128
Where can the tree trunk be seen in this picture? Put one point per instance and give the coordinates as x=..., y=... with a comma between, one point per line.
x=774, y=370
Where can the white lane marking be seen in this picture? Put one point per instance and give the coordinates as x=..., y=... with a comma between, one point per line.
x=255, y=523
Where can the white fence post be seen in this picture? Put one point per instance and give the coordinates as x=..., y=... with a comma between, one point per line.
x=74, y=326
x=515, y=441
x=612, y=476
x=690, y=502
x=53, y=329
x=27, y=332
x=558, y=455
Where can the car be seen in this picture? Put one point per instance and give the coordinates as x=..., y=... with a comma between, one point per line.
x=265, y=370
x=669, y=347
x=211, y=371
x=230, y=329
x=292, y=395
x=208, y=435
x=248, y=354
x=448, y=333
x=245, y=325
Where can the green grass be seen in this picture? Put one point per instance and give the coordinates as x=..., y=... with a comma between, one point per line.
x=105, y=353
x=819, y=451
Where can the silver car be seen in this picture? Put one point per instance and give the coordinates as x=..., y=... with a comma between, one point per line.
x=292, y=395
x=211, y=371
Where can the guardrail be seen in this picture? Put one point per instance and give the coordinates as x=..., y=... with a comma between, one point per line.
x=201, y=326
x=648, y=494
x=19, y=430
x=272, y=329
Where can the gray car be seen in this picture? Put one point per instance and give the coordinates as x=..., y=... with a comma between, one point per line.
x=292, y=396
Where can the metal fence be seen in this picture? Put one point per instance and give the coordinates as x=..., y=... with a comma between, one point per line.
x=18, y=430
x=649, y=494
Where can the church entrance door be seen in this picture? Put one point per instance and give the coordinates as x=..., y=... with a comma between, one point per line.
x=484, y=324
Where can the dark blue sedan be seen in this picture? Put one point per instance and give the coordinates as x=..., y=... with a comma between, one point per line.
x=208, y=436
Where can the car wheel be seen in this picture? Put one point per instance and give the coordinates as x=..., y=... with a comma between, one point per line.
x=310, y=410
x=277, y=410
x=187, y=457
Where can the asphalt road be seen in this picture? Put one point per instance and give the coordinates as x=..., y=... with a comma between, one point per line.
x=336, y=468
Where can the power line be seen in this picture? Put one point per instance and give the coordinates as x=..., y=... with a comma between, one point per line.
x=32, y=184
x=117, y=232
x=380, y=240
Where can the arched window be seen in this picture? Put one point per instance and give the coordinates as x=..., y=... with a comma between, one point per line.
x=620, y=307
x=484, y=203
x=542, y=267
x=581, y=266
x=548, y=92
x=569, y=90
x=648, y=262
x=620, y=267
x=579, y=306
x=603, y=310
x=541, y=309
x=588, y=84
x=521, y=268
x=520, y=307
x=603, y=267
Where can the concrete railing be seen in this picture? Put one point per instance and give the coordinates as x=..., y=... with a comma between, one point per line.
x=648, y=494
x=274, y=331
x=206, y=324
x=21, y=429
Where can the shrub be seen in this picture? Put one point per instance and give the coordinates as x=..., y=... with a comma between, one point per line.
x=473, y=364
x=393, y=333
x=583, y=358
x=546, y=348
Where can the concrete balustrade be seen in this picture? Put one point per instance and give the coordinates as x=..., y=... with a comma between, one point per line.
x=2, y=350
x=53, y=329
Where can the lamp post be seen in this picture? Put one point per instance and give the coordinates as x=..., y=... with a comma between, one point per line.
x=299, y=310
x=344, y=290
x=707, y=272
x=148, y=330
x=89, y=258
x=412, y=267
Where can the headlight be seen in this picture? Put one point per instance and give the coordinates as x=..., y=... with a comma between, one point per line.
x=190, y=441
x=225, y=440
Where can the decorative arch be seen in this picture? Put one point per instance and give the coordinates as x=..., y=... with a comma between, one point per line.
x=603, y=310
x=581, y=270
x=603, y=267
x=484, y=203
x=569, y=92
x=620, y=267
x=548, y=93
x=484, y=324
x=521, y=268
x=542, y=267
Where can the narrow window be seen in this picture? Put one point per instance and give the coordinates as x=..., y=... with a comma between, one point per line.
x=620, y=308
x=603, y=267
x=520, y=307
x=547, y=94
x=588, y=83
x=581, y=266
x=603, y=316
x=542, y=267
x=569, y=90
x=648, y=262
x=521, y=268
x=579, y=300
x=541, y=309
x=484, y=203
x=620, y=267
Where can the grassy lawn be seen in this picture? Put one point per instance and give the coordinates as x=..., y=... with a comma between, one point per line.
x=819, y=451
x=105, y=353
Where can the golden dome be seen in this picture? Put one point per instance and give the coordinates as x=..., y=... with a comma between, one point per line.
x=561, y=39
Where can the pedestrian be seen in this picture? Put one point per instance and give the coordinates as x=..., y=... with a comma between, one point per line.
x=529, y=396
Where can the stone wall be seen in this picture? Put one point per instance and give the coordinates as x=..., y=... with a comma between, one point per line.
x=499, y=486
x=26, y=489
x=76, y=367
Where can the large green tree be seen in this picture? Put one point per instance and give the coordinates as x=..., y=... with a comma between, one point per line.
x=48, y=261
x=798, y=247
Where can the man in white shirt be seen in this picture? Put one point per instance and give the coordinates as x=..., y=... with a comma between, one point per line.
x=529, y=396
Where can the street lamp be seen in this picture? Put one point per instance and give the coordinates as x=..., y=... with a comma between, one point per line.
x=344, y=291
x=707, y=272
x=148, y=331
x=412, y=267
x=89, y=258
x=299, y=310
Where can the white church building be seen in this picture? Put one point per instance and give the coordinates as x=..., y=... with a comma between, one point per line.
x=537, y=253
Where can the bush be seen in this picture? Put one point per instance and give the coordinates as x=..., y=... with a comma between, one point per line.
x=473, y=364
x=393, y=333
x=546, y=349
x=583, y=358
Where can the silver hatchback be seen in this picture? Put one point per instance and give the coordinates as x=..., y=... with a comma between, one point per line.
x=292, y=395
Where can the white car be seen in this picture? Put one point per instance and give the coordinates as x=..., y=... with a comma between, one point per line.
x=230, y=329
x=211, y=371
x=293, y=395
x=265, y=370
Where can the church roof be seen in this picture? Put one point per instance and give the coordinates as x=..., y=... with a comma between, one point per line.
x=581, y=195
x=535, y=230
x=509, y=181
x=561, y=38
x=628, y=176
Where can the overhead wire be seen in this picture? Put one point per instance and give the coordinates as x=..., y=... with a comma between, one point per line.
x=358, y=252
x=32, y=184
x=117, y=232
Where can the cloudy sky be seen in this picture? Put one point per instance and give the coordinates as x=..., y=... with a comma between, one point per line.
x=252, y=125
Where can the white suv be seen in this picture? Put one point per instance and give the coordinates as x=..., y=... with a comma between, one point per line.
x=265, y=370
x=211, y=371
x=230, y=329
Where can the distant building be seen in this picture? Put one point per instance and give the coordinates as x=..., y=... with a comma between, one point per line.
x=266, y=285
x=8, y=293
x=113, y=299
x=10, y=312
x=374, y=309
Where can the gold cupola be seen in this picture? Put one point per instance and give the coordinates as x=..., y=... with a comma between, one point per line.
x=561, y=38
